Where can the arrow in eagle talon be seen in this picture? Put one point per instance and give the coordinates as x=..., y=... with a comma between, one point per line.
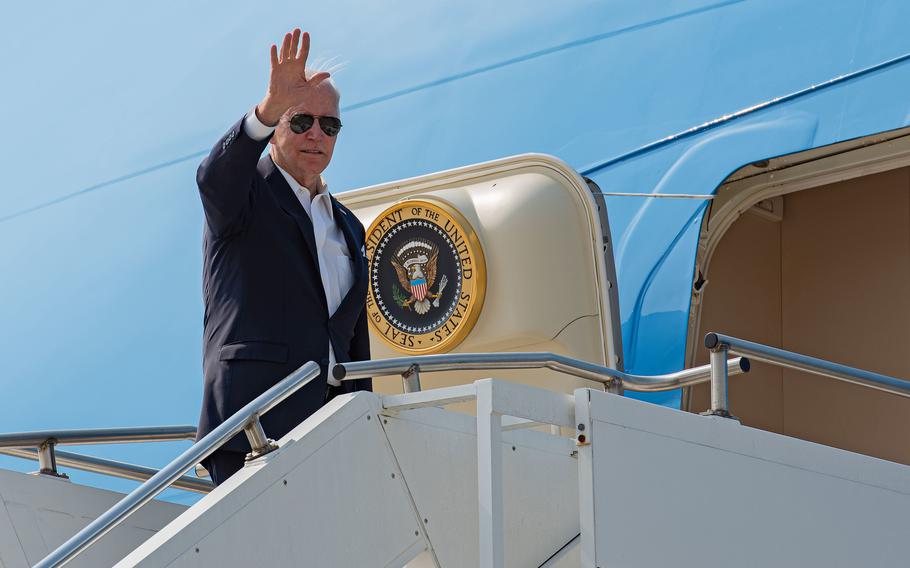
x=442, y=286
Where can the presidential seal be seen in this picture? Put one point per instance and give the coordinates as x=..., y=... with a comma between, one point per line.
x=427, y=277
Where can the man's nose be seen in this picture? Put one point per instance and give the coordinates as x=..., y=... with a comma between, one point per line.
x=315, y=132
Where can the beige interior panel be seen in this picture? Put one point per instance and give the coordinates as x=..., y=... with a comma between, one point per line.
x=842, y=293
x=742, y=298
x=846, y=297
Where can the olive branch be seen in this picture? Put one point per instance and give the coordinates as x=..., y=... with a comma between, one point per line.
x=399, y=296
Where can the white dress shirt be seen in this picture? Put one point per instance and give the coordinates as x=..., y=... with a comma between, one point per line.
x=331, y=248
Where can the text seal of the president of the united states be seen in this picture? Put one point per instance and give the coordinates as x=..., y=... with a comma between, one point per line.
x=427, y=276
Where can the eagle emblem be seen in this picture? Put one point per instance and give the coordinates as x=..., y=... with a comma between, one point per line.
x=415, y=263
x=427, y=277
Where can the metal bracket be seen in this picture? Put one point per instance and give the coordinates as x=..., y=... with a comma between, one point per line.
x=259, y=442
x=201, y=472
x=410, y=379
x=47, y=461
x=719, y=414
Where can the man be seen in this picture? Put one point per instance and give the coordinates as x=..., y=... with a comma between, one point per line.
x=284, y=273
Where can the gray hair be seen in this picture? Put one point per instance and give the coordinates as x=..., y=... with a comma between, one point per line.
x=329, y=65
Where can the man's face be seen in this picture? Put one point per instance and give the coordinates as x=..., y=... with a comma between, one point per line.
x=306, y=155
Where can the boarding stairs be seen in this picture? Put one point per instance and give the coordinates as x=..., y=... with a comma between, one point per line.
x=533, y=478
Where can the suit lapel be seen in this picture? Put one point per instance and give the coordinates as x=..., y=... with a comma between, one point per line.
x=357, y=293
x=341, y=219
x=289, y=202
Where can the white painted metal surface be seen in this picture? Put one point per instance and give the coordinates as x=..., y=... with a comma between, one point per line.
x=373, y=481
x=707, y=491
x=359, y=485
x=437, y=452
x=491, y=545
x=37, y=513
x=330, y=496
x=568, y=555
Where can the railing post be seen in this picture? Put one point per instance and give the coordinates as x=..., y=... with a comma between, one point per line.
x=260, y=443
x=410, y=379
x=489, y=479
x=719, y=379
x=47, y=461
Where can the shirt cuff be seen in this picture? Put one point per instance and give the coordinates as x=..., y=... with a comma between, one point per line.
x=254, y=128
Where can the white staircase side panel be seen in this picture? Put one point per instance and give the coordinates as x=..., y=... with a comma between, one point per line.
x=331, y=495
x=437, y=452
x=38, y=513
x=568, y=556
x=12, y=553
x=708, y=491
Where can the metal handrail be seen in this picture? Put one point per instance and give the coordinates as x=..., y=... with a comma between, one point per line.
x=246, y=419
x=110, y=467
x=97, y=436
x=46, y=440
x=720, y=345
x=613, y=379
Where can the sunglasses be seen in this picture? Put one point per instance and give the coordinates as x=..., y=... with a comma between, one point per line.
x=300, y=123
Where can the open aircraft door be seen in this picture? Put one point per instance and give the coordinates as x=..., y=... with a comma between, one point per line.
x=508, y=255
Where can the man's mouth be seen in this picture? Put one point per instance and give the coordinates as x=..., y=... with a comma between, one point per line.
x=311, y=151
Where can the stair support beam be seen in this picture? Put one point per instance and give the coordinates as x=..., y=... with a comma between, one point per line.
x=489, y=478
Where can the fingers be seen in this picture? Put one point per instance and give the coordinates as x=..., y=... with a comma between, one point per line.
x=318, y=78
x=295, y=39
x=289, y=51
x=274, y=55
x=285, y=47
x=304, y=47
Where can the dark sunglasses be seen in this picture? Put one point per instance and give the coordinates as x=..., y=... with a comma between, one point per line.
x=300, y=123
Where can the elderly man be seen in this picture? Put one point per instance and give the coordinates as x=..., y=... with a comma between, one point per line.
x=284, y=273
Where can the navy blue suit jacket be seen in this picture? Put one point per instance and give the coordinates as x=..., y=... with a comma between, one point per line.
x=265, y=307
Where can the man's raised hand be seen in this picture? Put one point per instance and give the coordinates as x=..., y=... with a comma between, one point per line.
x=288, y=83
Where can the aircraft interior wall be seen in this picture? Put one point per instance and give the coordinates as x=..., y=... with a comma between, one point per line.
x=830, y=279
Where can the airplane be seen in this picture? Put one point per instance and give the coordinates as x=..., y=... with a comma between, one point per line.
x=741, y=167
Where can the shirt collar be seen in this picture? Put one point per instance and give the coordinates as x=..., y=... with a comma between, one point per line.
x=303, y=193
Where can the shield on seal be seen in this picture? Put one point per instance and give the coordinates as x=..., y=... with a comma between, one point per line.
x=419, y=288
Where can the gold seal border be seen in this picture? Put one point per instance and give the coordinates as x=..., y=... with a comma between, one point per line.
x=479, y=266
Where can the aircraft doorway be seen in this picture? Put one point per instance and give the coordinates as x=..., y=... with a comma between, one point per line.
x=823, y=271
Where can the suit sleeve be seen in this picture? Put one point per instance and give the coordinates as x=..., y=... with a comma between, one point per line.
x=226, y=180
x=360, y=349
x=360, y=343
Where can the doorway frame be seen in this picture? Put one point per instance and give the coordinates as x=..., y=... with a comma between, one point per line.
x=766, y=179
